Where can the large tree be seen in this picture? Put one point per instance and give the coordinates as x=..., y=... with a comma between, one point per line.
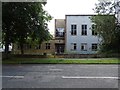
x=106, y=26
x=24, y=21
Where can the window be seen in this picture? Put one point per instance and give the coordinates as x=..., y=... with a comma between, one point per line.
x=59, y=32
x=73, y=29
x=73, y=46
x=47, y=45
x=28, y=46
x=84, y=30
x=93, y=30
x=84, y=46
x=38, y=47
x=94, y=47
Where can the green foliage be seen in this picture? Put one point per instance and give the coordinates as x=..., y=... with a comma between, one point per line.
x=25, y=22
x=107, y=29
x=60, y=61
x=104, y=26
x=104, y=7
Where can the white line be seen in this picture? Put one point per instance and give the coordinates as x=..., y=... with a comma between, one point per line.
x=56, y=69
x=86, y=77
x=100, y=67
x=12, y=76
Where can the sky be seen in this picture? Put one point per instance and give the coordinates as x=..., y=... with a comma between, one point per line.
x=59, y=8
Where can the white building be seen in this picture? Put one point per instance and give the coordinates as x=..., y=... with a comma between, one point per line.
x=2, y=47
x=117, y=10
x=80, y=39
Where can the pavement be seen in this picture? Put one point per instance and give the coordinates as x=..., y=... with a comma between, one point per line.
x=59, y=76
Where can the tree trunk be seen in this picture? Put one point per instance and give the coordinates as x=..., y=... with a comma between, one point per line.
x=21, y=47
x=6, y=50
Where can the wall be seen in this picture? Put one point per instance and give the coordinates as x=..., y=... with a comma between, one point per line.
x=40, y=51
x=89, y=39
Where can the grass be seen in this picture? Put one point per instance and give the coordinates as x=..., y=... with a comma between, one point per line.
x=61, y=61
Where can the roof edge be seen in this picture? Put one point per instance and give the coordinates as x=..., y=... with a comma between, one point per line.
x=80, y=14
x=85, y=15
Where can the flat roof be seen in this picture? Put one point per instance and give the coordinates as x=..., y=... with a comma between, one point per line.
x=80, y=14
x=86, y=15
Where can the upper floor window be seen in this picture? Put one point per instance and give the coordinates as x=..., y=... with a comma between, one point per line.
x=94, y=46
x=93, y=30
x=73, y=29
x=59, y=32
x=47, y=45
x=84, y=46
x=84, y=30
x=73, y=46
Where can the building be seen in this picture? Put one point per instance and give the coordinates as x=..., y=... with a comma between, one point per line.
x=72, y=35
x=46, y=47
x=2, y=47
x=59, y=36
x=54, y=46
x=80, y=38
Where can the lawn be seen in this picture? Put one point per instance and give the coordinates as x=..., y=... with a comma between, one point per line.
x=61, y=61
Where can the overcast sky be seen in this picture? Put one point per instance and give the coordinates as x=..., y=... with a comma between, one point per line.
x=59, y=8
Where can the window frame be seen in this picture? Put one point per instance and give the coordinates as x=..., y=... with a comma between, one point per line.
x=38, y=47
x=84, y=45
x=94, y=33
x=73, y=46
x=58, y=33
x=73, y=29
x=47, y=46
x=94, y=47
x=84, y=29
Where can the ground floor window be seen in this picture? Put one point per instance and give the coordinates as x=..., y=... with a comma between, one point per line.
x=84, y=46
x=73, y=46
x=94, y=46
x=47, y=45
x=38, y=47
x=59, y=48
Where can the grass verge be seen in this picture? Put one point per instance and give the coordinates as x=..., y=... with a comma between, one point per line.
x=60, y=61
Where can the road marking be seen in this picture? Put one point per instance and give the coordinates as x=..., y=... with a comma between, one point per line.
x=99, y=67
x=86, y=77
x=50, y=66
x=12, y=76
x=56, y=69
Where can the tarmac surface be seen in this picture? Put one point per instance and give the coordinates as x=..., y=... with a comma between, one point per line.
x=60, y=76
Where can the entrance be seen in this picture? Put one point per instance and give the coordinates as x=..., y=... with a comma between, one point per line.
x=59, y=48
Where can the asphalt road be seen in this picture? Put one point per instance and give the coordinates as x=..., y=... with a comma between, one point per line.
x=60, y=76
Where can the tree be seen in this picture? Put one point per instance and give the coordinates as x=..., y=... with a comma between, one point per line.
x=104, y=7
x=24, y=21
x=106, y=26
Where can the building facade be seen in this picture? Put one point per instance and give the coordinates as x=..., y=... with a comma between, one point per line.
x=74, y=34
x=59, y=36
x=54, y=46
x=80, y=37
x=40, y=49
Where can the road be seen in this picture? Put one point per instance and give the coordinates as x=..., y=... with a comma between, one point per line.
x=60, y=76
